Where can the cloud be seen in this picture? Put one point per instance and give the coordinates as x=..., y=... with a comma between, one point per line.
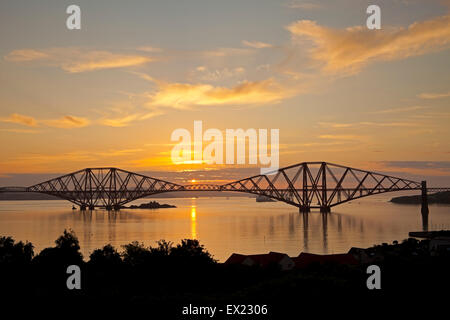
x=434, y=95
x=184, y=95
x=340, y=137
x=367, y=123
x=64, y=122
x=67, y=122
x=20, y=119
x=303, y=5
x=75, y=60
x=19, y=130
x=349, y=50
x=397, y=110
x=419, y=164
x=226, y=52
x=204, y=74
x=26, y=55
x=256, y=44
x=150, y=49
x=127, y=119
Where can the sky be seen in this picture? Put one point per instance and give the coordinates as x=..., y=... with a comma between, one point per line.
x=112, y=93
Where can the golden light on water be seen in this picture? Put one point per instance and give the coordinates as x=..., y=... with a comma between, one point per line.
x=193, y=221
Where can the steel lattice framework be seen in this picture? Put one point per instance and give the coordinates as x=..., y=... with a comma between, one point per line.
x=103, y=187
x=305, y=185
x=320, y=185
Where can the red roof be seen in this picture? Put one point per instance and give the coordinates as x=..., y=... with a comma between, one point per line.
x=259, y=259
x=235, y=258
x=304, y=259
x=268, y=258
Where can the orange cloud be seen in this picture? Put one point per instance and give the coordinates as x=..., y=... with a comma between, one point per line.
x=75, y=60
x=20, y=119
x=434, y=95
x=349, y=50
x=126, y=120
x=25, y=55
x=67, y=122
x=64, y=122
x=183, y=95
x=256, y=44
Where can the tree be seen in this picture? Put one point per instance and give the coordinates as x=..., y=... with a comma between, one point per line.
x=12, y=253
x=108, y=255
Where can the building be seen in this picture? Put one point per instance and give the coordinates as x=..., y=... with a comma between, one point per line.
x=305, y=259
x=440, y=245
x=281, y=260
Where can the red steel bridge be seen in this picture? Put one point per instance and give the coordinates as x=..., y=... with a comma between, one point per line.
x=306, y=185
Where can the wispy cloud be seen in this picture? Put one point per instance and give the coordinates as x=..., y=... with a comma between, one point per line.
x=185, y=95
x=225, y=52
x=20, y=119
x=337, y=125
x=75, y=60
x=127, y=119
x=340, y=137
x=67, y=122
x=150, y=49
x=303, y=5
x=18, y=130
x=434, y=95
x=399, y=110
x=256, y=44
x=349, y=50
x=205, y=74
x=64, y=122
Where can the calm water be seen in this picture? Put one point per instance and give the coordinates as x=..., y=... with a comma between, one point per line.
x=223, y=225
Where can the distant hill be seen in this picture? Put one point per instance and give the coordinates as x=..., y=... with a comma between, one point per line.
x=438, y=197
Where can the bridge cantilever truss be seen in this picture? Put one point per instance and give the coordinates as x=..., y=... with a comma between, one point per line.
x=103, y=187
x=305, y=185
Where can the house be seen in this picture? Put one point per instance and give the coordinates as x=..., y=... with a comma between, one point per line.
x=305, y=259
x=282, y=260
x=360, y=254
x=440, y=244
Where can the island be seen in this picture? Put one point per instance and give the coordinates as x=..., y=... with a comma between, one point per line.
x=149, y=205
x=438, y=197
x=262, y=198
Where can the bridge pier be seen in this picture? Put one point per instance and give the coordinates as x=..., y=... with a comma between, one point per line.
x=304, y=209
x=91, y=207
x=424, y=209
x=83, y=207
x=325, y=209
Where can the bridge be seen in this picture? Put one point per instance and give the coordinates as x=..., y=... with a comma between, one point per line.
x=306, y=185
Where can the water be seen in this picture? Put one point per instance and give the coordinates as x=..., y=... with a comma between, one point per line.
x=223, y=225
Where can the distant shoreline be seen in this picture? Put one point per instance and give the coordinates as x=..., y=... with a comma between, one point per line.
x=436, y=198
x=14, y=196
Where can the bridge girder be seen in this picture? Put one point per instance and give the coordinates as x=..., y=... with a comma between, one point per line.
x=305, y=185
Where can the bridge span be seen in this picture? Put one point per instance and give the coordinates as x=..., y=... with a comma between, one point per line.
x=306, y=185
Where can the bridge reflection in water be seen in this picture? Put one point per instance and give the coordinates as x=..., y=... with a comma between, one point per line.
x=224, y=226
x=312, y=231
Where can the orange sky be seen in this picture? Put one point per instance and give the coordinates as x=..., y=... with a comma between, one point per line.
x=111, y=94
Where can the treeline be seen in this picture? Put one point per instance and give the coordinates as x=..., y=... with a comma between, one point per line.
x=166, y=277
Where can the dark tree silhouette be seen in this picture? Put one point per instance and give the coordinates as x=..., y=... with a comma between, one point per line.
x=12, y=253
x=108, y=255
x=191, y=248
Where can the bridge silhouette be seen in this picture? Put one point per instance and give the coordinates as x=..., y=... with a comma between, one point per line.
x=306, y=185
